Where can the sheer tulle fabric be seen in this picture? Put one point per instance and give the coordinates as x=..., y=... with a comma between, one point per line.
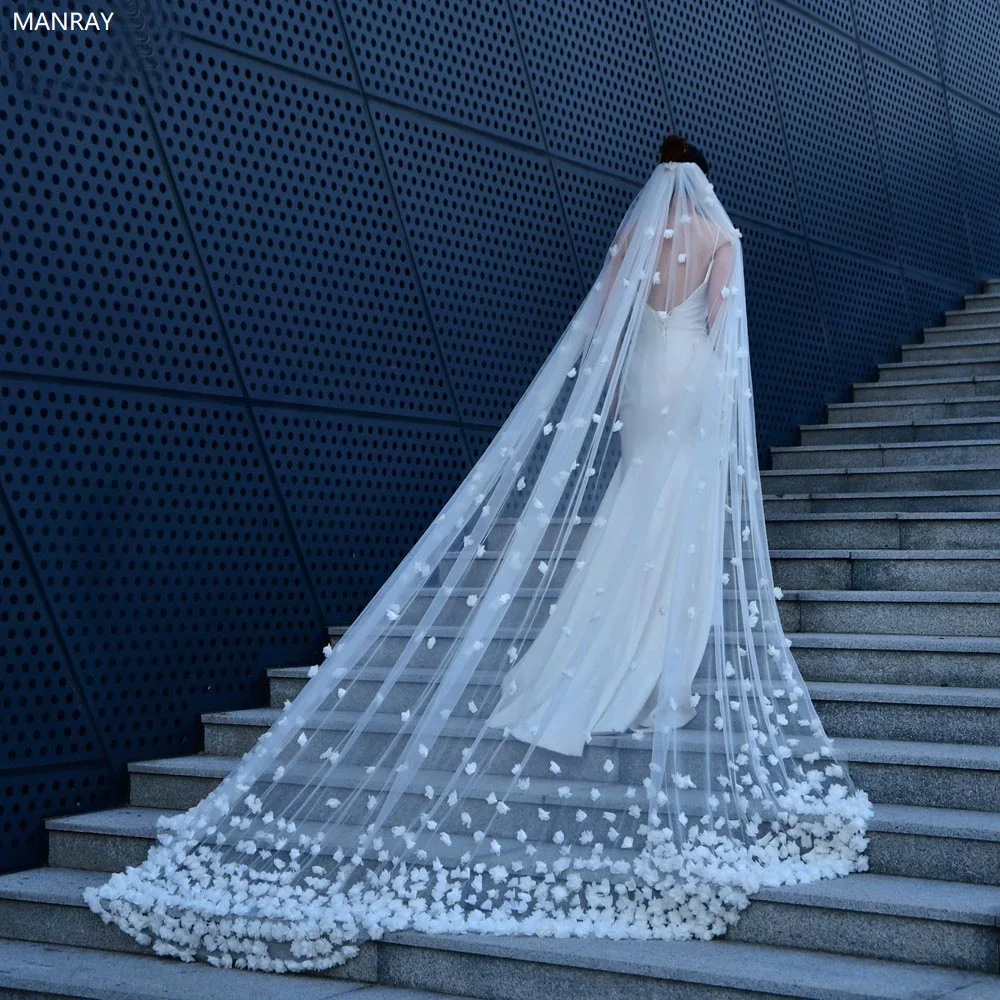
x=571, y=710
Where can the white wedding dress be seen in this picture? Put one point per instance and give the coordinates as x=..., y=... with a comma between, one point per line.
x=610, y=626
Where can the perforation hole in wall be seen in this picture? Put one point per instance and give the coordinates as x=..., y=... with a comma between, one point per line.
x=87, y=212
x=790, y=360
x=306, y=36
x=830, y=133
x=900, y=28
x=360, y=492
x=921, y=170
x=163, y=555
x=296, y=226
x=596, y=81
x=727, y=105
x=867, y=325
x=449, y=58
x=493, y=254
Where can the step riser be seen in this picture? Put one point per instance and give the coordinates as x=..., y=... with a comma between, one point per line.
x=840, y=573
x=629, y=758
x=951, y=352
x=910, y=534
x=819, y=573
x=454, y=611
x=889, y=853
x=916, y=618
x=392, y=646
x=902, y=938
x=631, y=766
x=874, y=721
x=945, y=787
x=972, y=317
x=29, y=921
x=912, y=392
x=948, y=369
x=895, y=434
x=907, y=939
x=879, y=481
x=873, y=935
x=865, y=720
x=978, y=305
x=936, y=787
x=910, y=504
x=887, y=456
x=929, y=409
x=960, y=334
x=952, y=858
x=875, y=666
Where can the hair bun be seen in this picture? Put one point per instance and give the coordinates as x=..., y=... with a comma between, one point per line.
x=676, y=149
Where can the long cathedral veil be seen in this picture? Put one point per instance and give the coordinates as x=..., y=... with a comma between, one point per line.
x=408, y=787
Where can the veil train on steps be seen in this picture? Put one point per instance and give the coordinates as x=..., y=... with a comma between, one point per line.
x=572, y=708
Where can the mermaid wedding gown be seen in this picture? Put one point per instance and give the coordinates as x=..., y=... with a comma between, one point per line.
x=615, y=640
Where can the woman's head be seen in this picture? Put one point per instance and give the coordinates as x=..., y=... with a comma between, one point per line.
x=677, y=150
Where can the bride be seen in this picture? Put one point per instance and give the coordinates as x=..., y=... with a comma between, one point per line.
x=572, y=708
x=622, y=632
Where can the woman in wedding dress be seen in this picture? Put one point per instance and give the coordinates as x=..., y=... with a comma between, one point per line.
x=571, y=709
x=623, y=640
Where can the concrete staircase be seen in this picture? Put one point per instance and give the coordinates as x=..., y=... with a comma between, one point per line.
x=884, y=529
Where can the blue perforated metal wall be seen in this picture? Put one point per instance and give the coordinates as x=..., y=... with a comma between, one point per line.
x=273, y=273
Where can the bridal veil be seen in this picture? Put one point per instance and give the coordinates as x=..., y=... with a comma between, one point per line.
x=397, y=791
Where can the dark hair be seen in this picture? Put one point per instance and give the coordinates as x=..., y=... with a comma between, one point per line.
x=678, y=150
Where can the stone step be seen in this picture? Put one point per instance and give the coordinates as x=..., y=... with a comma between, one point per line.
x=908, y=712
x=975, y=531
x=884, y=569
x=986, y=298
x=985, y=311
x=989, y=332
x=848, y=708
x=897, y=612
x=965, y=349
x=952, y=844
x=912, y=391
x=896, y=431
x=775, y=482
x=924, y=371
x=909, y=501
x=491, y=967
x=903, y=454
x=822, y=568
x=454, y=609
x=885, y=529
x=920, y=410
x=960, y=661
x=941, y=661
x=930, y=922
x=944, y=775
x=32, y=971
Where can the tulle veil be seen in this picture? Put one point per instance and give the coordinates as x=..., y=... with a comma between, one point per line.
x=403, y=789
